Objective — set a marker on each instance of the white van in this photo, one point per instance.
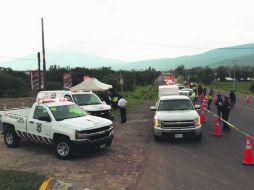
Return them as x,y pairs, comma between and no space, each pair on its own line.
165,90
89,101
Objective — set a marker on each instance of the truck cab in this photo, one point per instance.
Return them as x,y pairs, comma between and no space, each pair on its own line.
89,101
63,124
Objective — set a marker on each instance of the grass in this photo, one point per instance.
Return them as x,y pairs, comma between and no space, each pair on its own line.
137,96
140,94
241,87
10,180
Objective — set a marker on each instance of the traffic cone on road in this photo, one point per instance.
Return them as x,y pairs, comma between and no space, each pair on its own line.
203,115
248,160
217,128
247,100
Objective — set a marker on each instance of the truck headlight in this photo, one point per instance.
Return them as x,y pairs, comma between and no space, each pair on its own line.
157,123
79,135
197,122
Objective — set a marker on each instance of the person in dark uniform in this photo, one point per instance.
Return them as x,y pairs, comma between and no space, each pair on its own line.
200,91
232,98
122,106
225,113
218,103
210,99
204,91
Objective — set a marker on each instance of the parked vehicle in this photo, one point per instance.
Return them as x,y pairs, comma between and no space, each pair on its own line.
89,101
63,124
186,91
175,116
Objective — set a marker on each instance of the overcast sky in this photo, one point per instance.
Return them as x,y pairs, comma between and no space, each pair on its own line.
127,30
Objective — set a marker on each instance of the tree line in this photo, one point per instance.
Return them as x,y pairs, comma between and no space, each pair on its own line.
206,74
17,83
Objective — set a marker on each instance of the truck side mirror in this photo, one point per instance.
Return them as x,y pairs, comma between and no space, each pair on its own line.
153,108
197,107
45,118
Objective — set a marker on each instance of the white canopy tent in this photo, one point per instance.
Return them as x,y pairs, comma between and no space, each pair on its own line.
91,84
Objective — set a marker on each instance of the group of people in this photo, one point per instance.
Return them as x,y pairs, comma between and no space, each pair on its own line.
223,103
224,106
117,101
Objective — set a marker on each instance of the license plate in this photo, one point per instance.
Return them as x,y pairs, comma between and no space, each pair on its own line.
102,146
178,136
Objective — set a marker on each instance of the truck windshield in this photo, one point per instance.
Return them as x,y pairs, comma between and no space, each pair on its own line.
86,99
169,105
67,112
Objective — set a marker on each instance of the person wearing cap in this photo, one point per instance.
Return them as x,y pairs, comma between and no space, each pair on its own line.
218,103
122,106
232,97
225,113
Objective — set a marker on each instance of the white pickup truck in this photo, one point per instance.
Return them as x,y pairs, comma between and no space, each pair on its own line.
175,116
62,124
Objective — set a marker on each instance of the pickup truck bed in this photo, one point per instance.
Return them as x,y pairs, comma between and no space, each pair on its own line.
19,111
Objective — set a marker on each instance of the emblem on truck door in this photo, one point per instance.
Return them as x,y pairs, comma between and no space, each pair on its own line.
39,127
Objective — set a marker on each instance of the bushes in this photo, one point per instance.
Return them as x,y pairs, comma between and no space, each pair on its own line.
12,86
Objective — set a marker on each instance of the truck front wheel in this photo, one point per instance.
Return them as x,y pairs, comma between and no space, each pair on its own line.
63,148
10,138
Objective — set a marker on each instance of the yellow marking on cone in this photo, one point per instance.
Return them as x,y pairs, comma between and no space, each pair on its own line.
46,184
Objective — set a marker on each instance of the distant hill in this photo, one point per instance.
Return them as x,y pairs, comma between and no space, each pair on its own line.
244,54
63,59
222,56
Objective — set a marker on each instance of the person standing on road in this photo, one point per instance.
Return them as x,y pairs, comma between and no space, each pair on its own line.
232,98
200,91
204,91
211,92
122,106
210,99
225,113
218,103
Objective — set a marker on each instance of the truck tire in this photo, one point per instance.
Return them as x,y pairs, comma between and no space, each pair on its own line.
63,148
198,138
156,138
10,138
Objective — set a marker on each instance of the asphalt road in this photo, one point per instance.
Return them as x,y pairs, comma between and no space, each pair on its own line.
213,163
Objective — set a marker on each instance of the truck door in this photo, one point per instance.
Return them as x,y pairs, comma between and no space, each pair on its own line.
40,124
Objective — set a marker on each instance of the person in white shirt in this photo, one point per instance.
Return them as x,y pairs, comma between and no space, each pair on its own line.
122,106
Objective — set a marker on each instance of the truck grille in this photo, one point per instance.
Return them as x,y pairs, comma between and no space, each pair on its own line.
96,130
104,113
178,124
99,136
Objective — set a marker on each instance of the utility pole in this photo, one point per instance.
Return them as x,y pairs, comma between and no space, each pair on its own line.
39,69
234,62
121,82
43,55
134,79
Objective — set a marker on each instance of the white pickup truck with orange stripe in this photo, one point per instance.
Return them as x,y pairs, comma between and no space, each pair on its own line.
63,124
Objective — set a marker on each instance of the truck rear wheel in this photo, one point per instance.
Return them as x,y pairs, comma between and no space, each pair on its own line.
63,148
10,138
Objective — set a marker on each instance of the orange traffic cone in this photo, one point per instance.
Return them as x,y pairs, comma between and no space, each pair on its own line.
217,128
202,115
247,100
248,160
